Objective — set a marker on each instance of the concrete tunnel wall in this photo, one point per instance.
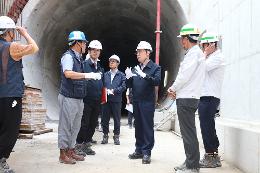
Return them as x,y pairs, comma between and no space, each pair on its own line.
118,24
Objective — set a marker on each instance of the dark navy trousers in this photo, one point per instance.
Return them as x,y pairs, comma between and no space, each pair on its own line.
111,109
207,108
144,124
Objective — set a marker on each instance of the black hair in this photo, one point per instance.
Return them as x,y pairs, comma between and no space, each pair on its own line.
189,37
5,32
74,42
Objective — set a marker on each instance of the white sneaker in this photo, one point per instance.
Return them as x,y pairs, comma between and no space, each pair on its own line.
180,167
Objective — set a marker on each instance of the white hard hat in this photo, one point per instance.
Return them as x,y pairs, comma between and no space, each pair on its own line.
144,45
95,44
115,57
209,38
6,23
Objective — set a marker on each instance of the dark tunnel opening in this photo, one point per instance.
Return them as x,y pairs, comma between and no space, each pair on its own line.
118,25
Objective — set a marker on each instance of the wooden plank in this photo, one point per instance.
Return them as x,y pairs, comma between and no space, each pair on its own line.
35,110
32,126
25,136
39,132
32,88
26,131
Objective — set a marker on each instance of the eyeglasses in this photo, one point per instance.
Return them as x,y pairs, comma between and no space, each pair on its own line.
139,51
113,61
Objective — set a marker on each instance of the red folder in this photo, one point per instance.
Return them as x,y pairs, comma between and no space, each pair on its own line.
104,96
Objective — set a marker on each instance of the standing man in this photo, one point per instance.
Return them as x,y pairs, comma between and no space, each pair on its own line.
187,90
71,94
92,101
11,85
210,99
143,80
114,82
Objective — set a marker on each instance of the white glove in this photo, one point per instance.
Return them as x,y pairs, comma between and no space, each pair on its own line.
129,73
88,75
110,92
139,71
95,76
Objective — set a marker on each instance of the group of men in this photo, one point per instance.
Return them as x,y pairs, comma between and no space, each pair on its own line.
197,85
82,83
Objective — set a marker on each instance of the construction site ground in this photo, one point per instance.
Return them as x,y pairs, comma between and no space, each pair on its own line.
40,155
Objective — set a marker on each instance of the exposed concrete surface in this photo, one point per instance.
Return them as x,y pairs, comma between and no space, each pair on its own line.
41,155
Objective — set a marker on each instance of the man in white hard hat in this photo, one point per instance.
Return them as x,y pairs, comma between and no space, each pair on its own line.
11,85
143,80
186,89
114,82
92,100
210,99
71,94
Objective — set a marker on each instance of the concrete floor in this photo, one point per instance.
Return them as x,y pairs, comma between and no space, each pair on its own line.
41,155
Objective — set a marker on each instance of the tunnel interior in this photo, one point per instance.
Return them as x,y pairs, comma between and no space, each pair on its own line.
118,24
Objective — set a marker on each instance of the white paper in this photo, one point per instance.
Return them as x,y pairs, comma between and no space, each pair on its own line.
129,107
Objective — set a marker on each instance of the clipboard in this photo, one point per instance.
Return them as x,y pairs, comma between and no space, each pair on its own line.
104,95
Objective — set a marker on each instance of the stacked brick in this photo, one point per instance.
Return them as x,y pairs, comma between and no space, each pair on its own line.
33,114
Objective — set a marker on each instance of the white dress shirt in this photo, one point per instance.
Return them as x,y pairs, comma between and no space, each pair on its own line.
113,73
189,80
215,68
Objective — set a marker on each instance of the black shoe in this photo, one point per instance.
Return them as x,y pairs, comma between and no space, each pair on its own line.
78,150
105,139
135,155
93,141
116,140
89,151
146,159
86,149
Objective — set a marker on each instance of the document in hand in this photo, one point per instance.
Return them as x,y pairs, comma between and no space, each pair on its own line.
129,107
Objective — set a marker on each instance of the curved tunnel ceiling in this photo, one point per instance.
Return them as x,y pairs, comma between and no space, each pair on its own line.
118,24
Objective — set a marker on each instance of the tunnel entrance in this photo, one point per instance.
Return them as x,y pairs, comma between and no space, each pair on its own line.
118,24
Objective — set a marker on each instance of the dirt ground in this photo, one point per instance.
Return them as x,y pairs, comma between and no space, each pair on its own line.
40,155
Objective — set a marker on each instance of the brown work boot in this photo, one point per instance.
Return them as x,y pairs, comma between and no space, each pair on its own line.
76,157
65,158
